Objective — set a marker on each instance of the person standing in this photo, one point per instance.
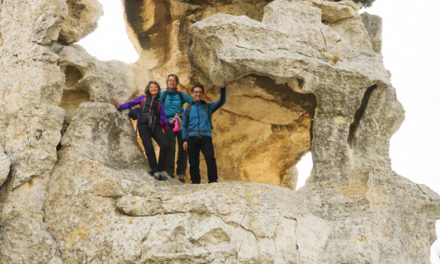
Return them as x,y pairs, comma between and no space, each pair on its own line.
173,101
196,132
149,124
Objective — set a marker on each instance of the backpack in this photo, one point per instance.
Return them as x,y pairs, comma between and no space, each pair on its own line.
209,114
136,113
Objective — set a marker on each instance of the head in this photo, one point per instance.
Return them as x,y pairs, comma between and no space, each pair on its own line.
152,88
197,92
172,81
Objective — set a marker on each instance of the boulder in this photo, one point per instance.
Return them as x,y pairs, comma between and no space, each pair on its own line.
80,193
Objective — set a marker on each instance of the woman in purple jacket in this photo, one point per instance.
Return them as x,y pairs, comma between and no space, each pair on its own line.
149,124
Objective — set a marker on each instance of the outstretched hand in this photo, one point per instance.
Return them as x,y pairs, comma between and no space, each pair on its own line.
115,102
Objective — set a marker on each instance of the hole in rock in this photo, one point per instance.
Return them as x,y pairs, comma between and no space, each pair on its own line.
73,75
111,39
261,135
304,167
70,101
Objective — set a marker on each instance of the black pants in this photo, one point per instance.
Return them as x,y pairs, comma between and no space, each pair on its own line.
146,134
204,144
169,154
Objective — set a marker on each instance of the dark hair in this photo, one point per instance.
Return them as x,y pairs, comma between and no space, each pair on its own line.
147,88
173,75
197,86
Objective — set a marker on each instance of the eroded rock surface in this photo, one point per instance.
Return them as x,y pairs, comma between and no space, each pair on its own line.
5,165
301,75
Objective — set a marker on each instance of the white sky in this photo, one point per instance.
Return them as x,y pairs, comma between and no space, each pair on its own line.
411,39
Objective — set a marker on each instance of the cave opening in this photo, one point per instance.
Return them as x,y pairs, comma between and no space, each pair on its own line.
73,94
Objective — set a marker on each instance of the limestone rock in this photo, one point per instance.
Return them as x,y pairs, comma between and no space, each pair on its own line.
302,83
333,11
160,33
374,26
88,79
81,19
5,165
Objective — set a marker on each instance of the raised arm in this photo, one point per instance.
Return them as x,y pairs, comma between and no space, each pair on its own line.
216,105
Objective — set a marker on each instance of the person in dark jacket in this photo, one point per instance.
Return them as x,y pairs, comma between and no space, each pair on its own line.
173,101
149,124
197,134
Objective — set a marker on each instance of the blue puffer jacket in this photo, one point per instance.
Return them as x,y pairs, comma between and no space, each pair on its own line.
197,123
173,104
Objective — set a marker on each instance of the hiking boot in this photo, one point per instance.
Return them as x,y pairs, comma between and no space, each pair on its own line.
181,178
163,176
156,175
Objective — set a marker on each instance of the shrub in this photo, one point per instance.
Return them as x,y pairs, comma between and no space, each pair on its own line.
366,3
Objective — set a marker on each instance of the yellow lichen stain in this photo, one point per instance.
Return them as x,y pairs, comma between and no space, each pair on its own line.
74,237
334,59
132,202
411,251
353,189
362,239
388,232
375,198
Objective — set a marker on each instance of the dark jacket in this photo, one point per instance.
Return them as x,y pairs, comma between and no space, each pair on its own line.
140,101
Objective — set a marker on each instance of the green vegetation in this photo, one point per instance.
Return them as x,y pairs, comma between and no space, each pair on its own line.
366,3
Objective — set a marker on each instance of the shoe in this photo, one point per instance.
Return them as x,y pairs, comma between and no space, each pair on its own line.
181,178
162,176
156,175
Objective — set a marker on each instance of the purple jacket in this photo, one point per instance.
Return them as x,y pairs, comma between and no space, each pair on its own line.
138,101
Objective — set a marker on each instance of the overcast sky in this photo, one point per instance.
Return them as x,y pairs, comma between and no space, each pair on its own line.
411,39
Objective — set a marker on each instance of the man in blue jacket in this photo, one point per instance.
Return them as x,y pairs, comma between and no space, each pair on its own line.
197,134
173,101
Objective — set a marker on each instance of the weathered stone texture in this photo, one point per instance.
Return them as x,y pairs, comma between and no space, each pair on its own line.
31,122
301,75
374,26
5,165
81,19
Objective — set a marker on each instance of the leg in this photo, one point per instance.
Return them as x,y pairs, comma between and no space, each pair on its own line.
194,159
161,140
181,155
144,133
208,152
166,156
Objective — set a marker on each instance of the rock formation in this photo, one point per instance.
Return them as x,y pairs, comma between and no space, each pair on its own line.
301,75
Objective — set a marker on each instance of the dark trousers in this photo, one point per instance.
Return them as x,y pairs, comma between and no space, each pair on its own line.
170,153
204,144
146,134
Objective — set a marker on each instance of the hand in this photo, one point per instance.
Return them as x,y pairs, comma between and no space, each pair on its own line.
185,145
115,102
172,122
